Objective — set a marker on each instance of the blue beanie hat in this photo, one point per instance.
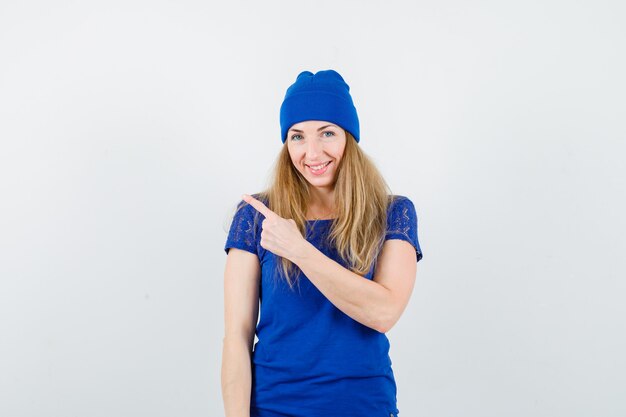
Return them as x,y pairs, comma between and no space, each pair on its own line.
321,96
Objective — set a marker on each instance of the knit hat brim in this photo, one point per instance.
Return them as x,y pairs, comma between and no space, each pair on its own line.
318,105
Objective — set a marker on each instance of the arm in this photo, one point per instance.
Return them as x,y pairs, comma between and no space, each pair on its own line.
241,307
378,303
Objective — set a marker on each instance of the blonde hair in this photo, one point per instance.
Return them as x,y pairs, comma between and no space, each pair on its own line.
361,200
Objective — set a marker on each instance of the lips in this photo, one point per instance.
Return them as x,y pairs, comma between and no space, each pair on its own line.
320,171
318,166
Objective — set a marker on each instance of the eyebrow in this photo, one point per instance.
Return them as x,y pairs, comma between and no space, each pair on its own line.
323,127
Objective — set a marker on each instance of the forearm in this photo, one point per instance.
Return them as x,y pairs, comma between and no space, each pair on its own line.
236,377
362,299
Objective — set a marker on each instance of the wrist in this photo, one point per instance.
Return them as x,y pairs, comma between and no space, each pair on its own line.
302,252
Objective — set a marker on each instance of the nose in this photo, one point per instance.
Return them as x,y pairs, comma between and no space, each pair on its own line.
314,149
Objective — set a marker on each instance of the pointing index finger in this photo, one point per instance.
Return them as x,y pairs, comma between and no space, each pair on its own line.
259,206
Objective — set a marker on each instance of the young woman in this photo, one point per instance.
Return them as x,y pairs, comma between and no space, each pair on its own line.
331,255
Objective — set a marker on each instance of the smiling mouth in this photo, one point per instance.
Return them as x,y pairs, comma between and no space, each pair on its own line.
318,167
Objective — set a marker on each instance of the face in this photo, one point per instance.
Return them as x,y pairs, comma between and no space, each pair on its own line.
316,148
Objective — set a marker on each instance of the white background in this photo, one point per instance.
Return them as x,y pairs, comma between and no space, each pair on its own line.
130,129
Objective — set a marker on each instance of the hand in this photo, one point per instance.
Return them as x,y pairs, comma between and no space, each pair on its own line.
279,236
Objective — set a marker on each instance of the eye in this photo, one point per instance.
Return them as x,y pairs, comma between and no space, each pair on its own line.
331,133
293,137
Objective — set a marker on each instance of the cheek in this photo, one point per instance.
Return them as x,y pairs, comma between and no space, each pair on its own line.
339,153
295,154
341,148
292,156
295,161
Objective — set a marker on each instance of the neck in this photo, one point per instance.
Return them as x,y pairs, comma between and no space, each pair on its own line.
321,203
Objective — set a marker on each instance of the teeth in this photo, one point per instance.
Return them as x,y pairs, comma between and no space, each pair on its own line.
318,167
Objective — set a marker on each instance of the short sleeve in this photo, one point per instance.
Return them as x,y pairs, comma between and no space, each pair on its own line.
402,223
242,233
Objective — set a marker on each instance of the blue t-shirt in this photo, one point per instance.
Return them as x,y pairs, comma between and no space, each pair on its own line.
311,358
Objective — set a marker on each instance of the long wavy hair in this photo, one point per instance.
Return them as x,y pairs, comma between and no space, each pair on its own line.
361,200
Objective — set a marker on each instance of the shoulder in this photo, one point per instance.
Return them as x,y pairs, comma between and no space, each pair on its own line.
243,205
402,222
245,211
400,205
401,216
245,227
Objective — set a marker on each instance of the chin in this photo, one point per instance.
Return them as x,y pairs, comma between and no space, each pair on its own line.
317,183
